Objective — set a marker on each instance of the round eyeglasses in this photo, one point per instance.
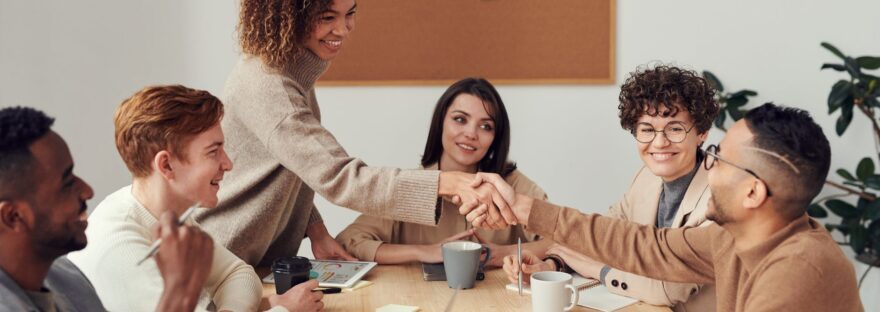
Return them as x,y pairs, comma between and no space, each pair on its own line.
674,131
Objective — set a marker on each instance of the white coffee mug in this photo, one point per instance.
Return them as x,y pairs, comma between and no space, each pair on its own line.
552,291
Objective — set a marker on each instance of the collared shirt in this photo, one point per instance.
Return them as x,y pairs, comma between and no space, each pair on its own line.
70,289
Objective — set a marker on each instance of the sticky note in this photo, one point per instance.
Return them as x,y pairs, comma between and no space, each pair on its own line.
360,284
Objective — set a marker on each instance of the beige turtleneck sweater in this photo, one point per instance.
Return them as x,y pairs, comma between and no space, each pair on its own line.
799,268
282,155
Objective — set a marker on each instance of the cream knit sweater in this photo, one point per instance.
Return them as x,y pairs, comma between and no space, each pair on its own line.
120,234
282,155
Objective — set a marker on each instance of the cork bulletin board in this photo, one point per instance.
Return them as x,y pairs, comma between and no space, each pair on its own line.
436,42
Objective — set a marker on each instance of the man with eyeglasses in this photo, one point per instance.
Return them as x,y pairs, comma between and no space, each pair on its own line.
669,112
764,254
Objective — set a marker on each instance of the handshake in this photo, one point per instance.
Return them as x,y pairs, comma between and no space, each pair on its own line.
485,199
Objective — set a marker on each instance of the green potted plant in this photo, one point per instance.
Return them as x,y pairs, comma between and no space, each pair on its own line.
732,103
860,222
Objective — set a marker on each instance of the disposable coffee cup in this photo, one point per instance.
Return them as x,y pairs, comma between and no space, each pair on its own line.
289,272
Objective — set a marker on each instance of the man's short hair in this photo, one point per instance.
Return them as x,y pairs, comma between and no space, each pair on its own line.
159,118
19,128
649,88
792,134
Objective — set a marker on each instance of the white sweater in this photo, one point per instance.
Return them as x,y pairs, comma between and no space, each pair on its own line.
120,234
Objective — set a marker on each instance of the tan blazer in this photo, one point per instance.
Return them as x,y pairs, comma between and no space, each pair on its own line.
640,204
363,237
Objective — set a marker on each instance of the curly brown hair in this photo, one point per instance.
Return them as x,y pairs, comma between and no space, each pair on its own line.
647,89
275,30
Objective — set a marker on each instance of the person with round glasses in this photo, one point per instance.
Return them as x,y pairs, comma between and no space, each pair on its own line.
669,112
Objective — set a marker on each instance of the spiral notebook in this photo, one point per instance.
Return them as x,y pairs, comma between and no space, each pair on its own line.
591,294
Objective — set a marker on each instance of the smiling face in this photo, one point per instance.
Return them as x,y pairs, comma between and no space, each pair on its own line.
468,132
663,157
331,29
197,178
59,200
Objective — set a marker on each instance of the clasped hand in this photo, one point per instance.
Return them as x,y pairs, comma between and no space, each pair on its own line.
487,202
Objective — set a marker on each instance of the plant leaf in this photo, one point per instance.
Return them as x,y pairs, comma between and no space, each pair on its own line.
837,67
736,101
843,228
842,208
845,174
865,168
857,239
713,81
872,210
736,114
873,181
744,93
868,62
844,119
833,49
839,92
852,67
830,227
874,234
872,101
719,121
816,211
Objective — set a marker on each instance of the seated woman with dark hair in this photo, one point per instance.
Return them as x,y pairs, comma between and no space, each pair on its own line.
469,132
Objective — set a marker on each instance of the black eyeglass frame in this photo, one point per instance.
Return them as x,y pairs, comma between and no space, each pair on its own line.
712,152
686,132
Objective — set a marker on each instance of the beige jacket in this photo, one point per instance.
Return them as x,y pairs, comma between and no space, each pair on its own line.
282,156
798,268
363,237
640,204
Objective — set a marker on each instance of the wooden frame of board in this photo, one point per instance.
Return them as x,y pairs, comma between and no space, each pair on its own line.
437,42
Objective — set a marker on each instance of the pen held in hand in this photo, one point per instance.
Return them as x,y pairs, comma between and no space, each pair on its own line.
519,263
155,247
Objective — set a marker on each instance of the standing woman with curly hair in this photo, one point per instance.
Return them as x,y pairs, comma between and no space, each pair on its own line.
283,155
669,112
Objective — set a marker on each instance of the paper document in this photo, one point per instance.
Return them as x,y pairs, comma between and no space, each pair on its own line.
599,298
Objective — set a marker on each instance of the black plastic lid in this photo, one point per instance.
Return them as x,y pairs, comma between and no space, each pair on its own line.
291,264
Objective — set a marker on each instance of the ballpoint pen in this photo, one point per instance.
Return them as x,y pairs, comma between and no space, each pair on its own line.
519,263
155,247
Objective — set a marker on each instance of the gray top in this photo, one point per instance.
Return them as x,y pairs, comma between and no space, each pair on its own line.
70,289
43,299
671,196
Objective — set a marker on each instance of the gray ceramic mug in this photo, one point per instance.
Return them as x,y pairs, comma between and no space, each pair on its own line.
461,260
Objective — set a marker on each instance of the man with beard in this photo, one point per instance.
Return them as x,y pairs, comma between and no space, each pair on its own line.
764,254
42,218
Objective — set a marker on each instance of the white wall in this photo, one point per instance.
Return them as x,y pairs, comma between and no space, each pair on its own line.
78,59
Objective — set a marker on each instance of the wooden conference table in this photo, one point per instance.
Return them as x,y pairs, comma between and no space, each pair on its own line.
403,284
